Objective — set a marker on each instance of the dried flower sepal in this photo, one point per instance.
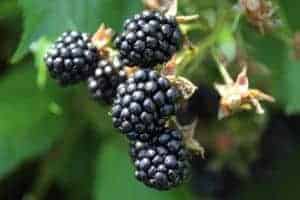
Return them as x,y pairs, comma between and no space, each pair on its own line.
168,7
260,13
185,86
102,38
237,96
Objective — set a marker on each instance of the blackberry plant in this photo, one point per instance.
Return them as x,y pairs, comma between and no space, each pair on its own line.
148,39
144,100
72,58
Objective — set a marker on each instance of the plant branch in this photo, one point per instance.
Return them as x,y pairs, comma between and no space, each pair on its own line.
201,47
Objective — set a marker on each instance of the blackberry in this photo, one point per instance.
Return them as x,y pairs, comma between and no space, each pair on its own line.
105,80
148,39
72,58
163,163
143,104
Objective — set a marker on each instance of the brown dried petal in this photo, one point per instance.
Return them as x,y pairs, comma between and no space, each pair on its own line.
260,13
102,37
169,7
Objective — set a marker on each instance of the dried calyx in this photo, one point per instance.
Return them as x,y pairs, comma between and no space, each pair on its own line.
236,95
260,13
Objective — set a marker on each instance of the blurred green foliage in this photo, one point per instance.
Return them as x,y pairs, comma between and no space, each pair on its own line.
27,125
51,18
72,137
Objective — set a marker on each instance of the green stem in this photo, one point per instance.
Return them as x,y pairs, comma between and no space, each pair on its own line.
236,22
201,47
222,69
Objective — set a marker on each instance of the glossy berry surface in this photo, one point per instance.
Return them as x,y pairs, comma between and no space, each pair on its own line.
148,39
162,163
103,83
72,58
143,104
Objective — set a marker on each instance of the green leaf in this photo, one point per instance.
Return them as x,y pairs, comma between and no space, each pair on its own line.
272,52
51,18
267,49
39,49
226,43
75,169
8,8
291,10
27,127
115,178
291,86
114,13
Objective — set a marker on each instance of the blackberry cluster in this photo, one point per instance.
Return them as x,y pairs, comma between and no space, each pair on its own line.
72,58
149,38
104,82
143,104
161,164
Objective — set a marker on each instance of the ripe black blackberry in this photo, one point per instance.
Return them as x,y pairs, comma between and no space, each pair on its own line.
143,104
162,163
72,58
105,80
148,39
